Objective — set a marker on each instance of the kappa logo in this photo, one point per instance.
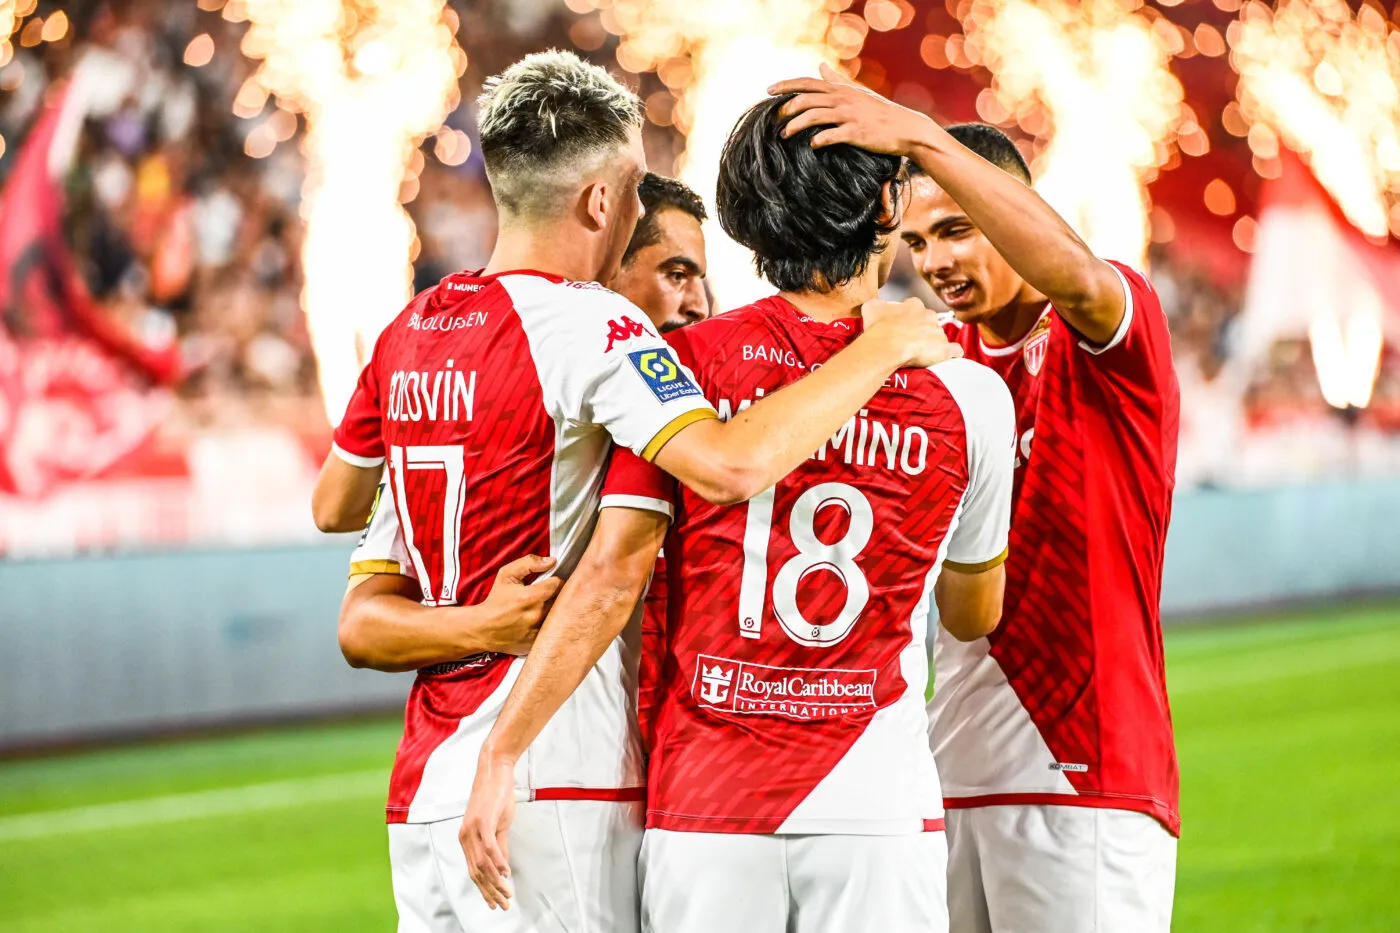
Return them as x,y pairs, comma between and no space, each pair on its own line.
662,374
1036,344
715,682
623,330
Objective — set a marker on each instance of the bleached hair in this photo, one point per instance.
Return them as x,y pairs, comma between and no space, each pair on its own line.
547,123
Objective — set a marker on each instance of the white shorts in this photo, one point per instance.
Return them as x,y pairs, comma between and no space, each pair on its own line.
720,882
573,865
1054,869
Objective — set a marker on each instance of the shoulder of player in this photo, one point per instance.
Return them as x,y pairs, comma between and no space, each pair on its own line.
401,323
568,322
1142,309
1134,276
977,390
569,305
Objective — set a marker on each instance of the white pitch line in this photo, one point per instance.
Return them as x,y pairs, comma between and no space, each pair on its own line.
176,808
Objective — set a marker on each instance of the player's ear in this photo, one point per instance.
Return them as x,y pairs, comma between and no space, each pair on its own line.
593,204
891,204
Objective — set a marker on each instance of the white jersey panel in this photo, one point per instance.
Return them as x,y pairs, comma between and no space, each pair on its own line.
448,775
978,726
989,417
597,374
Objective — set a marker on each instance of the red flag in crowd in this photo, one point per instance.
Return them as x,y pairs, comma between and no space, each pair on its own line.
77,393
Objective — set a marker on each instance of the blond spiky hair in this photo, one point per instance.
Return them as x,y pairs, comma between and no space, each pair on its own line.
546,123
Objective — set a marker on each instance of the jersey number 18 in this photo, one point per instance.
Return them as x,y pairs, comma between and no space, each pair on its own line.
812,555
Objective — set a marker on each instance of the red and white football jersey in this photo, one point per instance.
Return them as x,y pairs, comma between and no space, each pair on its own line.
794,660
1066,702
493,398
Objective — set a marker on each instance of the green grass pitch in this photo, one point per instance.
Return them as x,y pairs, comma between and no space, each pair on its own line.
1289,732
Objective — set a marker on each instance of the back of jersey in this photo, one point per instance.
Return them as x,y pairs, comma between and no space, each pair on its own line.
795,659
493,399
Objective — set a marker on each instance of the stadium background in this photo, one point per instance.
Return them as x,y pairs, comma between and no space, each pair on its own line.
208,208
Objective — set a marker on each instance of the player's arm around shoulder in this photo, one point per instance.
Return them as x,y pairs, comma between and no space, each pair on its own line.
731,462
970,589
383,624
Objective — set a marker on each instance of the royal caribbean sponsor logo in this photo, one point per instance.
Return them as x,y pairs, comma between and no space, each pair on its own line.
800,693
662,374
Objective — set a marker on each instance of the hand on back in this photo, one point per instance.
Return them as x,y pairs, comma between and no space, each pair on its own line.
914,330
515,609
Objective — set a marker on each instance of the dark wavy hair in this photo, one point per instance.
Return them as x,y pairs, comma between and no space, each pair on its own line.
813,217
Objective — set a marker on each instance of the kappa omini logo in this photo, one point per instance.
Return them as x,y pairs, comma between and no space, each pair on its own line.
623,330
662,374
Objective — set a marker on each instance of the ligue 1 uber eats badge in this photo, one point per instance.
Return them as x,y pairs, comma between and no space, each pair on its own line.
1036,344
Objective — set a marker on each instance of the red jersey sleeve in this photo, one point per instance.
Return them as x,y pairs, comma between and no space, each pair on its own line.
633,483
1139,353
359,438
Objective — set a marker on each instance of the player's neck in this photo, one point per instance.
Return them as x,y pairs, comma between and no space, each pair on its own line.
1015,320
842,301
544,249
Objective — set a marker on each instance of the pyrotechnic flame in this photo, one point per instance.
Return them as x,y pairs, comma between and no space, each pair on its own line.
372,78
718,58
1093,77
1347,355
1327,84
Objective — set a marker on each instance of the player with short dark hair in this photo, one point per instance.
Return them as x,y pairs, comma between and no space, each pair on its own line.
1053,735
495,398
791,787
991,144
663,269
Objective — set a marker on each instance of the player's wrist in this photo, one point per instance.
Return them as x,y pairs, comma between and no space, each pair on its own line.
470,630
926,142
886,345
495,754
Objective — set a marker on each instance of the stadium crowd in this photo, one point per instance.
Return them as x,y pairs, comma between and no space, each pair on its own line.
181,235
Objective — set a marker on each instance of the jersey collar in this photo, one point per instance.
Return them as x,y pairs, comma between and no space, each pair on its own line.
1010,348
843,328
469,281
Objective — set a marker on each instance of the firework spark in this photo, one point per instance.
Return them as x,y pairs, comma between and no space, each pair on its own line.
1326,83
718,58
1092,79
372,79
